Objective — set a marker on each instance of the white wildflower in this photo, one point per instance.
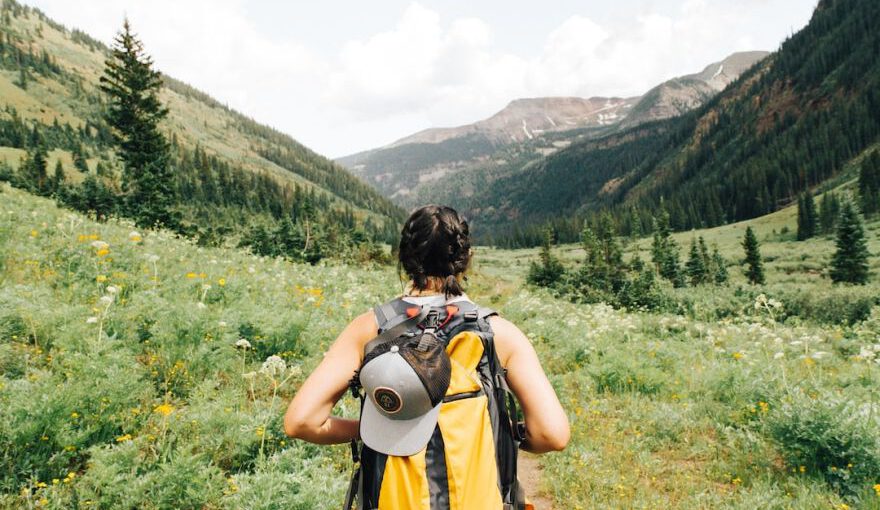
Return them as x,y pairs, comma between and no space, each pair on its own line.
201,306
779,355
100,245
222,324
242,343
273,366
92,320
819,355
106,300
112,289
153,258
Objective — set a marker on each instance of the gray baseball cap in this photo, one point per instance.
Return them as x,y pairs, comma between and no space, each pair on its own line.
404,385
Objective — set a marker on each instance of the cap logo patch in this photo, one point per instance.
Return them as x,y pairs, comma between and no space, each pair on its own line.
388,399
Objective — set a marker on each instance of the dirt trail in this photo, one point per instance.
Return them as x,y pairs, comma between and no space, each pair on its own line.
530,477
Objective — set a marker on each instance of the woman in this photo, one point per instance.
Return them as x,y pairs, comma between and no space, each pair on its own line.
435,253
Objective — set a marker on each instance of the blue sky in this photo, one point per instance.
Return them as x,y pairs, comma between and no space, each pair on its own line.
348,76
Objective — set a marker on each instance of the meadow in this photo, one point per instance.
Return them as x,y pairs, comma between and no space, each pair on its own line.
138,370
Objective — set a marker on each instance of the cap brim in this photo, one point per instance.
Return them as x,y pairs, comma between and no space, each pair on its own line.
400,438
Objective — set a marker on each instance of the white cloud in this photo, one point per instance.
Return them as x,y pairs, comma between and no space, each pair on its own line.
421,70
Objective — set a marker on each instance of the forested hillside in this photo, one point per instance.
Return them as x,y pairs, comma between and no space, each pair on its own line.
234,178
782,128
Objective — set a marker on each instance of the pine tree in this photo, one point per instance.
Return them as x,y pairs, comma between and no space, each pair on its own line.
134,113
850,261
550,269
869,183
719,267
58,177
696,266
79,159
807,221
34,170
665,252
755,270
829,212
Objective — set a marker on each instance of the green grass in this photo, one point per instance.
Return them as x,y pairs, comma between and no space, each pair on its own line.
135,397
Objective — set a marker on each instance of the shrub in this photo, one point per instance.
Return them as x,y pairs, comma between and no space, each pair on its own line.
830,437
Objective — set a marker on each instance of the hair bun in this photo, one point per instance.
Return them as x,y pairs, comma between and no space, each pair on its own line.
435,241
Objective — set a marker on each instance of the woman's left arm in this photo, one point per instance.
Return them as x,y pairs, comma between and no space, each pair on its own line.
308,415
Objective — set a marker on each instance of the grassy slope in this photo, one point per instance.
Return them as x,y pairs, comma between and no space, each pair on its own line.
665,411
195,122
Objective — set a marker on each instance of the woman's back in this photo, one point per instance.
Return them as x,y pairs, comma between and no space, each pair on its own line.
469,460
465,457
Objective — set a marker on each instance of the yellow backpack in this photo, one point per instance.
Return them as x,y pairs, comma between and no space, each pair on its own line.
470,461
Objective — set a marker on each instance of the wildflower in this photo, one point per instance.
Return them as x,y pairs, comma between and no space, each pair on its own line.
221,282
100,278
206,287
242,343
125,437
106,300
737,355
760,301
877,489
249,375
153,258
74,415
779,355
112,289
92,320
201,306
164,409
819,354
134,237
273,366
191,275
34,233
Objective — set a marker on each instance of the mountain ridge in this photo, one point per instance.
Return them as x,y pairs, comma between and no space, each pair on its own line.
530,128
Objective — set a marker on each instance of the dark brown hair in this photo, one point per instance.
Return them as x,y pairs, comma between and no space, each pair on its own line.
435,241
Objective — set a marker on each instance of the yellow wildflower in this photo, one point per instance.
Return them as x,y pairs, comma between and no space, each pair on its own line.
34,233
125,437
103,252
877,489
101,278
737,355
191,275
221,282
74,415
164,409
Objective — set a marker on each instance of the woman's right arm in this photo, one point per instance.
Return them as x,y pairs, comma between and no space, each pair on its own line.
547,427
308,414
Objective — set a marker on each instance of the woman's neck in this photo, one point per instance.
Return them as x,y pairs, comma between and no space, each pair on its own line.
433,288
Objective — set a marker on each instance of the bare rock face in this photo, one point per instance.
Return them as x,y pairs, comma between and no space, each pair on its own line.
524,119
684,93
531,128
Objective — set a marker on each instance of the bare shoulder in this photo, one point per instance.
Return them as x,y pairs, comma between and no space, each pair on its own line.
509,339
356,334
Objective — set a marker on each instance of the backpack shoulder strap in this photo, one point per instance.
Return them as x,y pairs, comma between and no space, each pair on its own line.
397,325
391,312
